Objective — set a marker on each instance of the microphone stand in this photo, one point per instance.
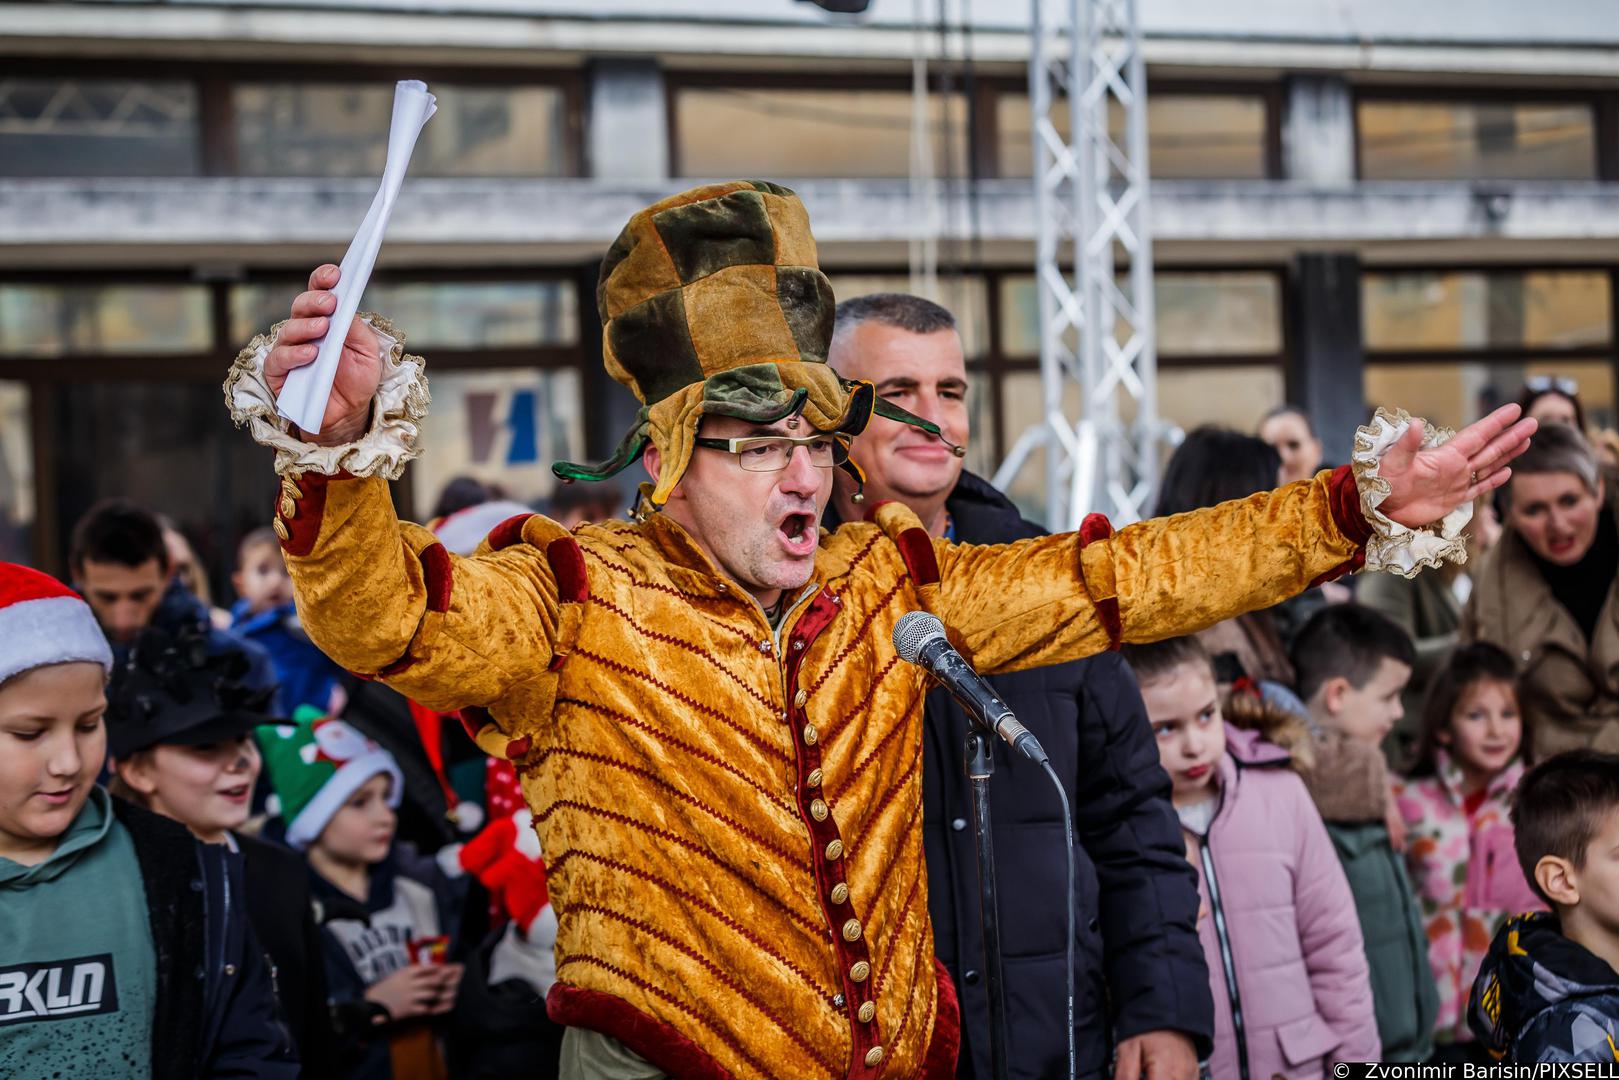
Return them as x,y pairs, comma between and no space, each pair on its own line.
980,766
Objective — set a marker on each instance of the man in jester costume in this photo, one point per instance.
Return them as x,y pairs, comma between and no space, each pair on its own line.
706,712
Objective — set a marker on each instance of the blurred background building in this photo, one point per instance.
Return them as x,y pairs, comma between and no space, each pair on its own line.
1353,204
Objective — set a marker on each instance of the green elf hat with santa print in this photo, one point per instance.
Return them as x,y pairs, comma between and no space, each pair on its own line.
315,763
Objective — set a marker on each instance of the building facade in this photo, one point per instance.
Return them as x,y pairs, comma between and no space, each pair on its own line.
1353,204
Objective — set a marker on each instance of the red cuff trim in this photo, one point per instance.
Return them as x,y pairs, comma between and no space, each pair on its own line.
1343,495
303,528
508,532
568,567
616,1018
943,1048
916,548
516,748
437,571
871,511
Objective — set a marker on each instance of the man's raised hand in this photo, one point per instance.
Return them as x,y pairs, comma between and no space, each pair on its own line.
359,369
1425,485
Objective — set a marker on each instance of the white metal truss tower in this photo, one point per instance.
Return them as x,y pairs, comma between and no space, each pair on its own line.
1090,197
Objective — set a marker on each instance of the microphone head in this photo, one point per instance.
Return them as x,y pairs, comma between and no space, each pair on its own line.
914,630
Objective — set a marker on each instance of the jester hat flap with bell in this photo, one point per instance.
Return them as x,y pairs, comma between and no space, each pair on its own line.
711,301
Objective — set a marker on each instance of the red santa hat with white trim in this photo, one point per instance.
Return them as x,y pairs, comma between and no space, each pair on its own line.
44,622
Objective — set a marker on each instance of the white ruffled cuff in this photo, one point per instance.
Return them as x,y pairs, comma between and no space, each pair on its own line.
1394,547
396,411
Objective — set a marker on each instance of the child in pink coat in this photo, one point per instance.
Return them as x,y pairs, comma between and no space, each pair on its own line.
1292,995
1459,841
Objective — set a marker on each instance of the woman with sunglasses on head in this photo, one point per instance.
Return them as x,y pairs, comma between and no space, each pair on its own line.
1545,593
1553,399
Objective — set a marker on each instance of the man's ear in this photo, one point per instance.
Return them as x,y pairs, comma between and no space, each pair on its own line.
652,461
1558,879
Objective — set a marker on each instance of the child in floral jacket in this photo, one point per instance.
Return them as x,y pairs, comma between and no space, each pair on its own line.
1459,846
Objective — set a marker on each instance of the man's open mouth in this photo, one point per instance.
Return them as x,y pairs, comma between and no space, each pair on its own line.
798,532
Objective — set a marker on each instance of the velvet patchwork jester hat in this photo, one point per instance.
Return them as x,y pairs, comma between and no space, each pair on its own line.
712,301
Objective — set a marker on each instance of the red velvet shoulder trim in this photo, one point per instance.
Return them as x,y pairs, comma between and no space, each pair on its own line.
568,567
945,1046
916,548
1097,527
654,1040
508,532
438,573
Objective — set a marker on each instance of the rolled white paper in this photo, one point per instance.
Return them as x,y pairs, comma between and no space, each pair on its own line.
303,398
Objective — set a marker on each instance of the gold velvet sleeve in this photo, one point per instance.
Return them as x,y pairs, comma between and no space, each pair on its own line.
384,598
1056,598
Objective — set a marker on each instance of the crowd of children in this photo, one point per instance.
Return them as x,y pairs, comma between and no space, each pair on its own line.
1466,911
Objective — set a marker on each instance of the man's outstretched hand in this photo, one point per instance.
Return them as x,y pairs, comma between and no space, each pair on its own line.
1425,485
359,369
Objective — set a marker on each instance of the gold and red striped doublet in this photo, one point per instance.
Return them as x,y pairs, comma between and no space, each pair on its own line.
731,815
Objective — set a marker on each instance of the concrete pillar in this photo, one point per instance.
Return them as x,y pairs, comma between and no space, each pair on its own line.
626,138
1326,362
627,120
1318,131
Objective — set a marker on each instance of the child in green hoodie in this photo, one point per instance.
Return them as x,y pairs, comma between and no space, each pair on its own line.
108,909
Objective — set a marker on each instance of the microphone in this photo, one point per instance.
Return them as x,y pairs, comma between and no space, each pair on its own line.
919,639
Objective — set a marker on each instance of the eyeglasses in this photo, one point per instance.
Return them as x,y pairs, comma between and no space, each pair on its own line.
773,453
1540,384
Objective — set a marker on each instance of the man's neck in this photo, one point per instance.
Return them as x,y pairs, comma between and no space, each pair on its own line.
1582,928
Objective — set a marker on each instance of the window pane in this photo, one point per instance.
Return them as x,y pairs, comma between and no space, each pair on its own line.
58,320
1454,394
1199,314
1193,136
1236,396
286,129
1451,140
1023,407
501,427
1470,310
453,315
966,297
97,127
794,133
16,475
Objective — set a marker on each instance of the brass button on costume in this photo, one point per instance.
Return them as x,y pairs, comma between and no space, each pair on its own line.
818,810
289,509
811,736
280,528
851,930
860,972
800,698
813,779
874,1056
840,893
868,1012
834,850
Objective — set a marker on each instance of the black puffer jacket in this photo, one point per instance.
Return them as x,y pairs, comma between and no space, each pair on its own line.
215,1010
1139,964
